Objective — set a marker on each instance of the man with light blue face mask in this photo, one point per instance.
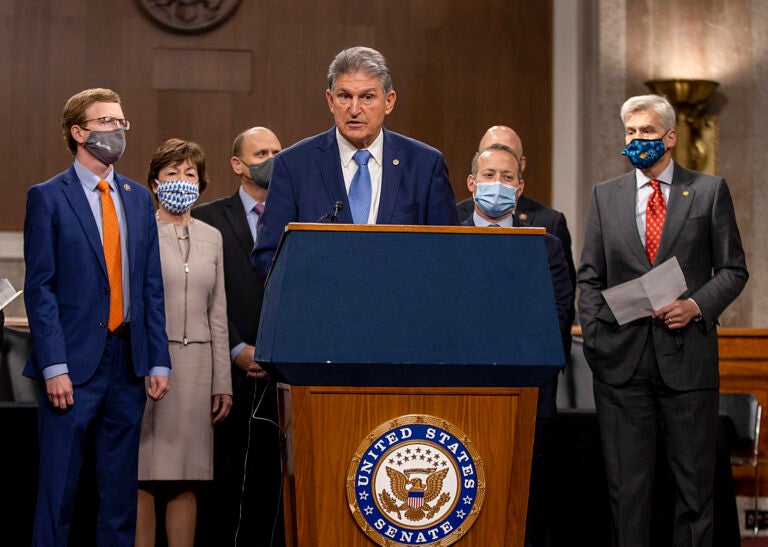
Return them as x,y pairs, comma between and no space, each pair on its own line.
496,184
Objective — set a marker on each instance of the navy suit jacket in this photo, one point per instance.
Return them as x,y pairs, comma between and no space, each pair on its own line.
307,181
533,213
66,289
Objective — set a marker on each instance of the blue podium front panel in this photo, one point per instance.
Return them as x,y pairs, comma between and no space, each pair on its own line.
365,306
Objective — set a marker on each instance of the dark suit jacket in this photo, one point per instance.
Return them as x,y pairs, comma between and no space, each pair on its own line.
66,289
700,230
534,213
244,287
307,181
561,284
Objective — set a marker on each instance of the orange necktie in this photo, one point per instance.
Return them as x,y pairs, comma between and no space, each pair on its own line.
112,255
655,211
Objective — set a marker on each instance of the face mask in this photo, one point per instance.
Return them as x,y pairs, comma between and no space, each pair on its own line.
177,196
495,199
643,153
261,172
106,146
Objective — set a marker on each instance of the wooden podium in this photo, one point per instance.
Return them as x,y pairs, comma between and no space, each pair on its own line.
408,394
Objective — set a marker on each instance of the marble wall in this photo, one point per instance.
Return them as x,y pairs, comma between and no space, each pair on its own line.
626,43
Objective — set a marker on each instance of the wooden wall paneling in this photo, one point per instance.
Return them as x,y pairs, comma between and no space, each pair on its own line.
177,69
744,368
456,66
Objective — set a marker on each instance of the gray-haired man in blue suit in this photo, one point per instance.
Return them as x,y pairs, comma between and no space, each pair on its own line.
406,180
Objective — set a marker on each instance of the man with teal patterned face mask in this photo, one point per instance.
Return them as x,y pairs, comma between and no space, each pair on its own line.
656,379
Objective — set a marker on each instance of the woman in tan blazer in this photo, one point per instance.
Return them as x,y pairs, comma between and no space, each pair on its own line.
176,446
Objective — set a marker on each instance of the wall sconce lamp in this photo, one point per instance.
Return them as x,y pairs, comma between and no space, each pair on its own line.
697,133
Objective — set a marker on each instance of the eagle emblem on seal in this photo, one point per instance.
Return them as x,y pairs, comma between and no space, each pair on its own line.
414,494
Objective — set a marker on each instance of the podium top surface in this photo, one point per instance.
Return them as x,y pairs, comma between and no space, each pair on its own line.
410,305
409,228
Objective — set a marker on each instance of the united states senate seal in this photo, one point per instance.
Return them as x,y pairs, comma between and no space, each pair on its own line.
416,480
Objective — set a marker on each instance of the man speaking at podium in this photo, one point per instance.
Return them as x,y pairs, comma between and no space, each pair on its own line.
357,172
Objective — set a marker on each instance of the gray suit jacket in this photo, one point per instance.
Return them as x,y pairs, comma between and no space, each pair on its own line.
700,230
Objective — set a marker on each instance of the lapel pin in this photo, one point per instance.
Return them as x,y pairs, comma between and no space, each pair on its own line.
395,161
686,192
127,187
522,216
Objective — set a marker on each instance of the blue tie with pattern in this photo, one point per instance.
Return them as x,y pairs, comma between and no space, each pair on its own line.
360,189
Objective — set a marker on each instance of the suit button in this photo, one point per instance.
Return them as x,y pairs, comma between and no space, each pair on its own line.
102,324
106,290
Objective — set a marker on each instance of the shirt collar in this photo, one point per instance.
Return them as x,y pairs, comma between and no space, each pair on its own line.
347,150
90,179
665,177
248,201
506,222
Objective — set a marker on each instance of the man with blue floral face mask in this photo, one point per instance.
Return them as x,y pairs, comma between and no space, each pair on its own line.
496,185
656,378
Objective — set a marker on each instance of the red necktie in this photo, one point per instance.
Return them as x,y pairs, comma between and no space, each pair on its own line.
655,211
112,255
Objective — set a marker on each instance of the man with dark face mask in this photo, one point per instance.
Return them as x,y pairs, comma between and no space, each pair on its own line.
656,378
94,299
255,492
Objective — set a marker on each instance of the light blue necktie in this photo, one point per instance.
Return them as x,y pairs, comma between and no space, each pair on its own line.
360,189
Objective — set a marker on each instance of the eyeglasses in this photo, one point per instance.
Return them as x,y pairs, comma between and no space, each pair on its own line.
109,121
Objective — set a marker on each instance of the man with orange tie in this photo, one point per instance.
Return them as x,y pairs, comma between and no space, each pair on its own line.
94,299
656,378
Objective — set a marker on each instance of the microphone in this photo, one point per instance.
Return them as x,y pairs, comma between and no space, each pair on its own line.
336,208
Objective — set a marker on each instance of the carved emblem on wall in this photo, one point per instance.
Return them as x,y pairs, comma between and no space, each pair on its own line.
189,15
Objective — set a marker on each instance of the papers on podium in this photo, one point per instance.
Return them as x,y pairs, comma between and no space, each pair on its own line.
7,293
640,297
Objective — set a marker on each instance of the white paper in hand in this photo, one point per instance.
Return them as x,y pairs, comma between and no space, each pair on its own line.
7,292
640,297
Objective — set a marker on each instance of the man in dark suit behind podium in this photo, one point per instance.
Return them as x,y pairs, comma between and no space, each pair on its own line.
259,521
657,376
393,179
496,185
527,210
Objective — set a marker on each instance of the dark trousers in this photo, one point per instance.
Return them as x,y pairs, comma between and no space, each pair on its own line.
107,412
244,505
540,502
632,417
